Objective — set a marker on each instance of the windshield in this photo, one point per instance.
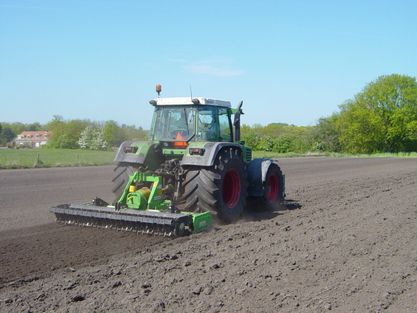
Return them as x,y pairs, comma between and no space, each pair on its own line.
174,123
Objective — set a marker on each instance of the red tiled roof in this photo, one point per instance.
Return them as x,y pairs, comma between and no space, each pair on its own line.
34,133
32,136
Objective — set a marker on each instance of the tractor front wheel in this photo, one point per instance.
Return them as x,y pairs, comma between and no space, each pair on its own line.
121,175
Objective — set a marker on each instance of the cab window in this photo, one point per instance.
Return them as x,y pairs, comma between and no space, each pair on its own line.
224,124
207,123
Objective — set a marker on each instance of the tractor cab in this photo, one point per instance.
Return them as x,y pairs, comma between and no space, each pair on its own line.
187,120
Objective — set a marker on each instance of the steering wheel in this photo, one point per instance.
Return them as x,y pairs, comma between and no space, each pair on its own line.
206,125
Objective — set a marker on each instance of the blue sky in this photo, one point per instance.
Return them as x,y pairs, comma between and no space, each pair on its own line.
290,61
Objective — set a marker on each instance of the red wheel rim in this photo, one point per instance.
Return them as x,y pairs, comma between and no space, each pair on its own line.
231,188
272,188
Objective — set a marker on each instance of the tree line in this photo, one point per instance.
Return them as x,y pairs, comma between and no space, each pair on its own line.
76,133
380,118
278,137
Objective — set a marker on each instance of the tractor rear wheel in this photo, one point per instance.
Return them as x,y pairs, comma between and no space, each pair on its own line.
121,175
220,189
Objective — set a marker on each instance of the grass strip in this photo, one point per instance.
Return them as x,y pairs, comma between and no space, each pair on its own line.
31,158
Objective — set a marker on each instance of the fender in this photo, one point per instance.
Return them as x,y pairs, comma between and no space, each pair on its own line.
210,154
138,157
257,171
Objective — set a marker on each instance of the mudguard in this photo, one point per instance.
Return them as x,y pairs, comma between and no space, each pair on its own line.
257,171
210,153
137,157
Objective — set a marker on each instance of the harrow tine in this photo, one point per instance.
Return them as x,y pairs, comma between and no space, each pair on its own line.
150,223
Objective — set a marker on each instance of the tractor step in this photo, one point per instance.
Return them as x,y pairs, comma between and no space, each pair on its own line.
148,222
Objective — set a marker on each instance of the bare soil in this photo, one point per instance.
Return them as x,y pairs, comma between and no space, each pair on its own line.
32,244
345,241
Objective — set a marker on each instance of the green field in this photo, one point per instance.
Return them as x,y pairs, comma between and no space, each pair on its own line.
29,158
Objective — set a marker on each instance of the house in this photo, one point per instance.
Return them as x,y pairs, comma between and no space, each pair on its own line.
32,139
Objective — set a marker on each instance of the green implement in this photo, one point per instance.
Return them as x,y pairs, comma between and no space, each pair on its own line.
146,222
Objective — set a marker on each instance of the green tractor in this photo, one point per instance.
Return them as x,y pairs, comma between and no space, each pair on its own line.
194,168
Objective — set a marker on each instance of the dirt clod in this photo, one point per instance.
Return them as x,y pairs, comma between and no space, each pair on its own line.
146,285
208,290
70,286
197,290
116,284
78,298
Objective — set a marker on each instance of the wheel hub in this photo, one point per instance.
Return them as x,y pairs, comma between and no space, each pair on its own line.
231,188
272,188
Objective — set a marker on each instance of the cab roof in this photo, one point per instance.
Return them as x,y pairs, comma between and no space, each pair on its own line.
192,101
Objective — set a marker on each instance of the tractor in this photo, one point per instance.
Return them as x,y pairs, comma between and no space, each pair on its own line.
193,169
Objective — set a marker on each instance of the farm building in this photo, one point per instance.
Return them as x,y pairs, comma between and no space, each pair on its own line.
32,139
